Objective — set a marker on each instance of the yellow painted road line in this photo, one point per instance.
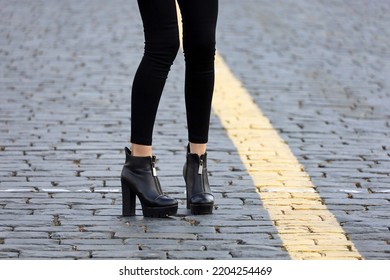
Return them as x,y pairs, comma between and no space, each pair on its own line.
305,225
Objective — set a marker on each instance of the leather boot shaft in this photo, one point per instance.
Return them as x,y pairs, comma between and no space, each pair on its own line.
199,196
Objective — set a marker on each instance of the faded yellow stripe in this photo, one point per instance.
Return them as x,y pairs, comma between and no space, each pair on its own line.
305,225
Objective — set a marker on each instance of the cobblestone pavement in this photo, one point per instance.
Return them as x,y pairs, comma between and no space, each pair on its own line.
316,69
319,71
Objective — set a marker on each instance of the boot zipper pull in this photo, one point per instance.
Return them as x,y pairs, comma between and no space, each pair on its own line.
154,171
200,170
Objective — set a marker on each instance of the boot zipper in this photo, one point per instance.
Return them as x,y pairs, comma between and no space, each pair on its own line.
154,171
200,170
154,174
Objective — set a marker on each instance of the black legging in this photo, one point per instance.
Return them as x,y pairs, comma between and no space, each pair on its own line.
161,46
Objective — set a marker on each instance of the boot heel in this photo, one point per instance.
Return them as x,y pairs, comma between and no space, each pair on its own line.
128,201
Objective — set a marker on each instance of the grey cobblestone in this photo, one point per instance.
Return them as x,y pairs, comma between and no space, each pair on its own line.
321,79
206,255
65,81
55,254
137,255
258,253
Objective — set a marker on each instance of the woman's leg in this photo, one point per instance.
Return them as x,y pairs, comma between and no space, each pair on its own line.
161,46
199,31
199,25
138,177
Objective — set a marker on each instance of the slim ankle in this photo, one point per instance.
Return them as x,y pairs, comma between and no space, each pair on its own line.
199,149
138,150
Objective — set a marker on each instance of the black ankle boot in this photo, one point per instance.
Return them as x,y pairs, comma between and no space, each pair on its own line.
139,179
199,197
